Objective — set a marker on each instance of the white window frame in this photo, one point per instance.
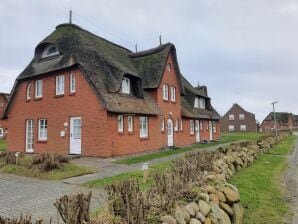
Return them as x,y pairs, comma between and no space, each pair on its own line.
176,128
169,66
143,127
28,92
125,86
1,132
231,117
173,94
192,127
120,123
72,83
60,85
201,125
231,128
181,124
165,92
243,127
196,103
38,88
214,126
162,124
202,103
241,116
42,130
130,123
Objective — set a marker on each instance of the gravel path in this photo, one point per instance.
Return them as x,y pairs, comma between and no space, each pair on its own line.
291,182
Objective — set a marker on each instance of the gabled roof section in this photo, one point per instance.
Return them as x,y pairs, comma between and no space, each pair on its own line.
280,116
241,108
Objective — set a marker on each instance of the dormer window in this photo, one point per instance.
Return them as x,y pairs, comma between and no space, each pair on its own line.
196,105
125,87
200,103
50,50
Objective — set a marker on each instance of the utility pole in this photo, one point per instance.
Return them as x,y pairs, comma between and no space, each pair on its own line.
275,124
70,16
136,48
160,43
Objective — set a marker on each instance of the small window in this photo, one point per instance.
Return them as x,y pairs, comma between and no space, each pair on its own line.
173,94
28,92
231,128
242,127
196,104
42,130
192,127
201,125
169,66
60,85
162,124
202,103
120,123
231,117
165,92
241,117
50,50
214,127
125,87
38,89
130,123
176,128
72,83
143,127
1,133
181,124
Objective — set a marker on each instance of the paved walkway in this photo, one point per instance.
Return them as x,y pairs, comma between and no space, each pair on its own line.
22,195
106,168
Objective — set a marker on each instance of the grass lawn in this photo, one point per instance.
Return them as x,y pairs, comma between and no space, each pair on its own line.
225,138
67,170
2,145
259,186
162,167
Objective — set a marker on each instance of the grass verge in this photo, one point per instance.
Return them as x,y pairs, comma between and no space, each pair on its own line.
2,145
65,171
225,138
259,185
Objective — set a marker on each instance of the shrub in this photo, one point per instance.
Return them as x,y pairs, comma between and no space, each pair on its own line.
48,162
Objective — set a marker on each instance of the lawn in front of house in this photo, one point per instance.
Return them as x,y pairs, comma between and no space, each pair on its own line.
2,145
25,168
259,186
225,138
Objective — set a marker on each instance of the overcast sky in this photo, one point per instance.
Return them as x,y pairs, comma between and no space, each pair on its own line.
243,51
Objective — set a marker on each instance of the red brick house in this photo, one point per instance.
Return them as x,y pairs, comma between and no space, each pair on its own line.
284,122
3,122
237,119
82,94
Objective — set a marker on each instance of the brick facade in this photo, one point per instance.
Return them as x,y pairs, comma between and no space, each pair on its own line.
284,122
248,121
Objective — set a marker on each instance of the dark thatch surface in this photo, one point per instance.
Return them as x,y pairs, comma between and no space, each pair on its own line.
280,117
104,64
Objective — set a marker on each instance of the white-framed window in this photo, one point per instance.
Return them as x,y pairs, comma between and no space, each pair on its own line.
196,104
120,123
192,127
241,116
42,129
176,128
169,67
143,127
231,117
242,127
202,103
38,88
130,123
28,92
173,94
1,133
72,83
162,124
201,125
231,127
165,92
181,124
60,85
50,50
214,126
125,87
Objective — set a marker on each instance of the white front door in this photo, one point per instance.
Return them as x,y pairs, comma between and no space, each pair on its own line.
170,133
210,130
197,129
29,136
75,143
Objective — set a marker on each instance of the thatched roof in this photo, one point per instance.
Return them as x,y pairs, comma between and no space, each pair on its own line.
282,117
104,64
